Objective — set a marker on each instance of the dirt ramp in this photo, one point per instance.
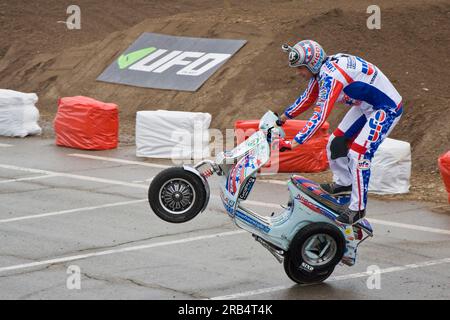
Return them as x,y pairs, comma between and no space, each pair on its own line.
74,71
411,48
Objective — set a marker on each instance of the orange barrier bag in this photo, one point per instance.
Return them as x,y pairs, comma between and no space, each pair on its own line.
85,123
309,157
444,168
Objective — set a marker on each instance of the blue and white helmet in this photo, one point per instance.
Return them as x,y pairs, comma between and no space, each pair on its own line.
306,53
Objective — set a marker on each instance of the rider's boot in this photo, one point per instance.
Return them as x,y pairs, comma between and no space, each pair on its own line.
335,189
349,216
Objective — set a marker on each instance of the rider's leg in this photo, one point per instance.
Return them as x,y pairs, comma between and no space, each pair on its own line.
338,146
380,123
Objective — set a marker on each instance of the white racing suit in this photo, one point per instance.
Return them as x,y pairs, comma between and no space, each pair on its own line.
376,107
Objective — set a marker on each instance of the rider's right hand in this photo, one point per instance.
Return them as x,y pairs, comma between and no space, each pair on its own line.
284,145
281,120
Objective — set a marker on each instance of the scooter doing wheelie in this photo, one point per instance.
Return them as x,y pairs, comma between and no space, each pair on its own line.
304,235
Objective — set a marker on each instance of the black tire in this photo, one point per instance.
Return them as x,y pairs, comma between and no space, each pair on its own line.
302,271
157,195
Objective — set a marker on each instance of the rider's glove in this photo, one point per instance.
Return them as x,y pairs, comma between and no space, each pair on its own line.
280,122
284,145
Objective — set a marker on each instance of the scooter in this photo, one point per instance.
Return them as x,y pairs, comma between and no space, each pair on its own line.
304,235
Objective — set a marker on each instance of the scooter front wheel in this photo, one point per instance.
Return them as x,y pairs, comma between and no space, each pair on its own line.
313,253
176,195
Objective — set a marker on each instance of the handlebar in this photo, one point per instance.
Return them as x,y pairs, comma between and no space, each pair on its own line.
279,122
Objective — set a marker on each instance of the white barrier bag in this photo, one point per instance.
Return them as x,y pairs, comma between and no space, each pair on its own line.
391,168
18,114
172,134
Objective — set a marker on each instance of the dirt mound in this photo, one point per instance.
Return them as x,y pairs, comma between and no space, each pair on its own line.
411,48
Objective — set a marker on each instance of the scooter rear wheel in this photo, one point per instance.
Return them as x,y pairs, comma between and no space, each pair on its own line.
176,195
313,253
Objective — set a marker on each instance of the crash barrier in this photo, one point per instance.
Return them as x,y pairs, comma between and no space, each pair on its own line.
172,134
310,157
391,168
85,123
444,168
18,114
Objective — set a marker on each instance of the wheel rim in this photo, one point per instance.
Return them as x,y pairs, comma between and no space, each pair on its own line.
319,249
177,196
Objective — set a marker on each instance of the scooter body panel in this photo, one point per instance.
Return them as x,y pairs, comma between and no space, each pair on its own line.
249,156
308,204
279,229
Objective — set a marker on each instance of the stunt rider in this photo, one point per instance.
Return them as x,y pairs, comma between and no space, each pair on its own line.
375,108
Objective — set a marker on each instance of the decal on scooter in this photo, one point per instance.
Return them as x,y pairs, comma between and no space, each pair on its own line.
252,221
247,188
237,174
233,178
227,203
314,207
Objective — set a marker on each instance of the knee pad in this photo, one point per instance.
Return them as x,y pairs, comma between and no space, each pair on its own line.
339,147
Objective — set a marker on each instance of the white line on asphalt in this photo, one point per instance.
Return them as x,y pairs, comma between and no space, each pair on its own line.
28,178
74,176
154,165
56,213
4,145
121,250
409,226
143,181
251,202
86,156
336,278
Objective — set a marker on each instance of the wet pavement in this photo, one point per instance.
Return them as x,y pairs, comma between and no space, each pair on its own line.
60,211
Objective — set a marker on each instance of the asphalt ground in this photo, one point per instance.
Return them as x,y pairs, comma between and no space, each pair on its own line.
63,209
